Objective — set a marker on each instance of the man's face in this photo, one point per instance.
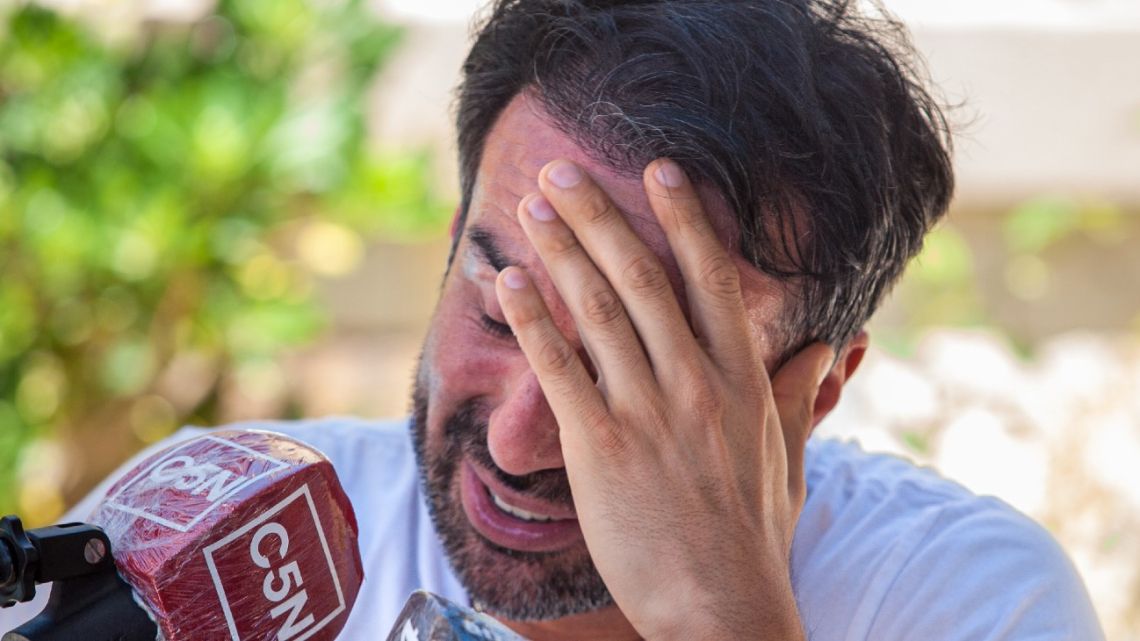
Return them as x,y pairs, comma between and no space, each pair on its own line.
486,439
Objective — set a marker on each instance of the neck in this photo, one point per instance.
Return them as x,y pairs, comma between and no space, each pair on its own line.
607,624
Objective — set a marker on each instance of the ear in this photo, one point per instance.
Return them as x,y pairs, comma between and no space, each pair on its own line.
832,386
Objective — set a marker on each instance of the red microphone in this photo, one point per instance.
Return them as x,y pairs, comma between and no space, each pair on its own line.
236,535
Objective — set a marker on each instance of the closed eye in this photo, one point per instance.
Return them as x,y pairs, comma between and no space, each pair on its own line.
495,328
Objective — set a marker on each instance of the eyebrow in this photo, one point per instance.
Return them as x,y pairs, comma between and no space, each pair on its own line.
485,241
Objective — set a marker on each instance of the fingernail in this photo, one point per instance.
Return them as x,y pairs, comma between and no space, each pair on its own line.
514,278
540,209
669,175
565,175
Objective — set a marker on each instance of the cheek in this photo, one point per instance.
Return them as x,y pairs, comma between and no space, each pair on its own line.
462,361
467,367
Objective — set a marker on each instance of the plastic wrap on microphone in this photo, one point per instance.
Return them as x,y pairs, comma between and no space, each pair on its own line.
430,617
237,535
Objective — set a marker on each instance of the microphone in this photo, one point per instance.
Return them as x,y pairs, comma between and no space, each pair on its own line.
237,534
430,617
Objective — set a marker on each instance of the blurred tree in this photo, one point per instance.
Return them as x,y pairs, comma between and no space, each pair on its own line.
163,206
950,284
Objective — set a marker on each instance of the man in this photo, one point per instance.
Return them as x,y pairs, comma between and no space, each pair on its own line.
676,218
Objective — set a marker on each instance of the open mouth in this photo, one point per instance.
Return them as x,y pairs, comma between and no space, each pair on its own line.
517,512
512,521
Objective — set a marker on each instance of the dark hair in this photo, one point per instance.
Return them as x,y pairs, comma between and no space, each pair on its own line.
809,117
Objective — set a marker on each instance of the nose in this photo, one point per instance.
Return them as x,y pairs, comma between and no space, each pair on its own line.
522,434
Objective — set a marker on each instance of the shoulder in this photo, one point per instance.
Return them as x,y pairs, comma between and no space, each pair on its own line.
357,447
373,459
908,554
334,433
364,453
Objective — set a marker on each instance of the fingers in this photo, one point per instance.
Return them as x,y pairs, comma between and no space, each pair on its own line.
601,319
794,390
712,280
567,385
619,293
627,264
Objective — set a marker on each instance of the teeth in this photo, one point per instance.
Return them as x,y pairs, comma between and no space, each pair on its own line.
518,511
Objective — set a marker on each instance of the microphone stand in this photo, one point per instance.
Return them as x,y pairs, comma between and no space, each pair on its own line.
89,600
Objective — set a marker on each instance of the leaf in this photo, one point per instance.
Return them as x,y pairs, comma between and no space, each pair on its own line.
1038,224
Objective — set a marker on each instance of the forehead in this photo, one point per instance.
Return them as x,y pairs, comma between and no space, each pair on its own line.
522,142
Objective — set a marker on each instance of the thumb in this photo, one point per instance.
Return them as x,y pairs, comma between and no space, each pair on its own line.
795,387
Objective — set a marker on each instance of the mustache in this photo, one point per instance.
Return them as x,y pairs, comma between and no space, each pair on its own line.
466,432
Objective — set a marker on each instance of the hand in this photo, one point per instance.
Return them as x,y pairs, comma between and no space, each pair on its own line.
685,460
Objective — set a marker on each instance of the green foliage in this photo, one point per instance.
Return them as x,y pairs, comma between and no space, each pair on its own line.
939,289
960,278
153,196
1039,224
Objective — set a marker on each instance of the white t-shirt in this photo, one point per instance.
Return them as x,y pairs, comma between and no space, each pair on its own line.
884,551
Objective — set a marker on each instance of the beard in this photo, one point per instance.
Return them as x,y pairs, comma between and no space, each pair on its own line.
512,584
